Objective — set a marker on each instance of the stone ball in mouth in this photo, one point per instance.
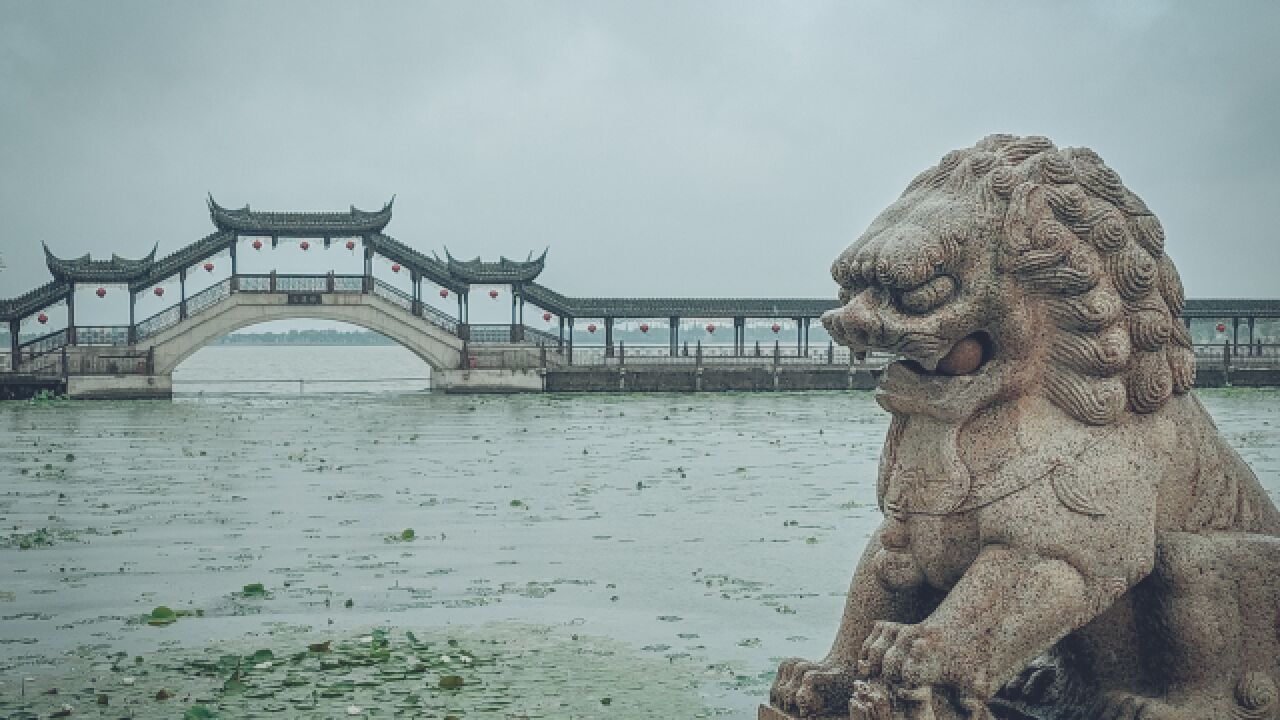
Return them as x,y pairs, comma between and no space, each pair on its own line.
965,357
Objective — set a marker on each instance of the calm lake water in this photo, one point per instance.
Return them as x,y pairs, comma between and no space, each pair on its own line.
580,556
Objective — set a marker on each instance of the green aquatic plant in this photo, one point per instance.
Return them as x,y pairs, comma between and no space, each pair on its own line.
162,615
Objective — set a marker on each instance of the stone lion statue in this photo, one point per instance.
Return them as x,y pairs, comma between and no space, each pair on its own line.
1066,534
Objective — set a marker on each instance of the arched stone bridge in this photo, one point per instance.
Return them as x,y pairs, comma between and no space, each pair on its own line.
137,359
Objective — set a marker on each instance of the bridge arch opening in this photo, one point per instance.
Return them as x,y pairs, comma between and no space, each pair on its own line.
291,357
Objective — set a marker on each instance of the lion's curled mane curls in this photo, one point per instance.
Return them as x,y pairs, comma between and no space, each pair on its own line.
1074,234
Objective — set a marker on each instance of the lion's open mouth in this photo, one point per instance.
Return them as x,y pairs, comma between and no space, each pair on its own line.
967,356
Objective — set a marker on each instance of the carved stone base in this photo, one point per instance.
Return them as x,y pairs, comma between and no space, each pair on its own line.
769,712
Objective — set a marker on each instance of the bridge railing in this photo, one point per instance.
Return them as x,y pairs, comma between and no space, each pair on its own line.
159,322
488,333
208,297
119,363
35,352
396,296
1256,355
541,337
102,335
692,353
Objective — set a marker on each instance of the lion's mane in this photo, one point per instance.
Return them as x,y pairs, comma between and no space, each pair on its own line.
1069,231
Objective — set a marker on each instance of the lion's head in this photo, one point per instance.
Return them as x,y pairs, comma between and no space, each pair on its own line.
1014,267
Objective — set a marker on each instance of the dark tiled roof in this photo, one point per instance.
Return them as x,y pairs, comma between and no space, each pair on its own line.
184,257
30,302
1230,307
431,268
682,307
300,224
84,269
504,271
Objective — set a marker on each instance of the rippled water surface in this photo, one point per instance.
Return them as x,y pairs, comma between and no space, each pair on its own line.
644,546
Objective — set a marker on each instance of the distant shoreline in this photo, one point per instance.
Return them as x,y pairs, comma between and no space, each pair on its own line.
306,337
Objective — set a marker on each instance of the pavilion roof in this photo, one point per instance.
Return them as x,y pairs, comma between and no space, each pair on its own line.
478,272
300,224
86,269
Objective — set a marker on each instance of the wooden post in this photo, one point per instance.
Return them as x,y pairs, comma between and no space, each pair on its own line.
234,242
622,352
368,267
608,337
1251,320
698,357
561,344
71,315
777,353
831,352
675,336
182,292
570,341
15,326
133,328
271,286
1235,335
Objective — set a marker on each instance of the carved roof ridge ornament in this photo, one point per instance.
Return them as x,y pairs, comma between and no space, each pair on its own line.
86,269
300,224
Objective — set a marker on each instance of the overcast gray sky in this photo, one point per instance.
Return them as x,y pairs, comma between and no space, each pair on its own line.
673,148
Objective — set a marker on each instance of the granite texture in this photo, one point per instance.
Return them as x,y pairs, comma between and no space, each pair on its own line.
1066,534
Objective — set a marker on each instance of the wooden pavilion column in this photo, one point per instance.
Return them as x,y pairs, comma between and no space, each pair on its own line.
674,324
562,332
570,341
15,326
806,336
799,334
416,279
368,267
1235,337
234,242
461,318
1251,321
182,294
608,337
71,315
133,327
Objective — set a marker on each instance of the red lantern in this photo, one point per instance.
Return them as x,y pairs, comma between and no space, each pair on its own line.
304,245
776,327
644,327
444,293
711,328
1222,328
546,317
42,318
493,294
351,244
395,267
102,292
208,267
158,291
591,328
257,244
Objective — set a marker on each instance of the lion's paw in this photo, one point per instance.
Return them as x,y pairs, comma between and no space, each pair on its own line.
811,689
911,654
